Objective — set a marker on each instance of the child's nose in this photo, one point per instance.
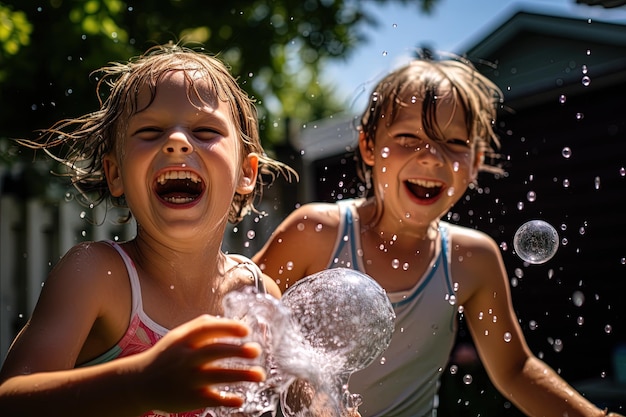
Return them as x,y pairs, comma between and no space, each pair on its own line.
177,142
428,153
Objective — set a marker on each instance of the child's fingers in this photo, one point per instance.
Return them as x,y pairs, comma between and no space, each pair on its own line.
205,328
223,375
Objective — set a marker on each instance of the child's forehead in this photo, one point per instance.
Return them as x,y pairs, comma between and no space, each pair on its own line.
194,83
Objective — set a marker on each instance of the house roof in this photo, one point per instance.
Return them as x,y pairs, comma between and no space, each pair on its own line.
534,54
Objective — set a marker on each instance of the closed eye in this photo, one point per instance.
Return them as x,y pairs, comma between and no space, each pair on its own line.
408,141
206,133
148,133
465,143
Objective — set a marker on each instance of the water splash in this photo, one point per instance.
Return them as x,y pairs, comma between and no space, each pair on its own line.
325,327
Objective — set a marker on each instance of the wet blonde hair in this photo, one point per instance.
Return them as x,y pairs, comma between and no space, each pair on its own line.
424,80
82,142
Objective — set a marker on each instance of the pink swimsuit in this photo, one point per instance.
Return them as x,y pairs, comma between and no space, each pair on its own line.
143,332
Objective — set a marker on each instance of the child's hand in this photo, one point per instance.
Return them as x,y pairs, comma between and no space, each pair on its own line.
183,368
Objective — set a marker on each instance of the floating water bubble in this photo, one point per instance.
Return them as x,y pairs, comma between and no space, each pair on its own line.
536,241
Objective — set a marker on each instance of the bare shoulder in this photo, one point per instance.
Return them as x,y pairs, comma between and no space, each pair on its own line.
87,264
301,245
83,289
467,239
476,262
324,214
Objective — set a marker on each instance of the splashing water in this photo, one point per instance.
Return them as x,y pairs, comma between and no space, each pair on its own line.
326,326
536,241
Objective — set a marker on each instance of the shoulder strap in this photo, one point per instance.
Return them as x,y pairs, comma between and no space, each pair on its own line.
257,275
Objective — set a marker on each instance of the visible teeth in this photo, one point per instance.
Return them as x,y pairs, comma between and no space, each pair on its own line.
178,175
426,183
179,200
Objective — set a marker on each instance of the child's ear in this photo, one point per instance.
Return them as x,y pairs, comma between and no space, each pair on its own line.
366,146
113,175
249,172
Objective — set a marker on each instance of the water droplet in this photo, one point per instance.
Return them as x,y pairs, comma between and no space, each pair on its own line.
507,337
580,320
586,81
578,298
566,152
580,116
384,152
608,329
289,266
395,264
251,234
453,369
622,171
531,196
452,299
566,183
557,345
596,183
562,99
385,53
532,325
318,227
467,379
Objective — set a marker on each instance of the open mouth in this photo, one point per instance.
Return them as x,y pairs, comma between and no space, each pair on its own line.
179,187
424,189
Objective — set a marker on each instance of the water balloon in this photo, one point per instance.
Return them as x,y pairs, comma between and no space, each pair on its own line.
325,327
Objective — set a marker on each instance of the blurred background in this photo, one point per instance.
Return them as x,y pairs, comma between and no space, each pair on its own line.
310,65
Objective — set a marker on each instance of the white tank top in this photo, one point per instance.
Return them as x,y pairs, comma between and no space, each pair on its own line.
404,381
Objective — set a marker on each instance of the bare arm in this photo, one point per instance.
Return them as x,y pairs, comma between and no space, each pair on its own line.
521,377
38,376
301,245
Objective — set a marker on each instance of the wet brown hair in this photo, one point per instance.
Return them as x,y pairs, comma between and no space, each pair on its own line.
423,80
81,143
